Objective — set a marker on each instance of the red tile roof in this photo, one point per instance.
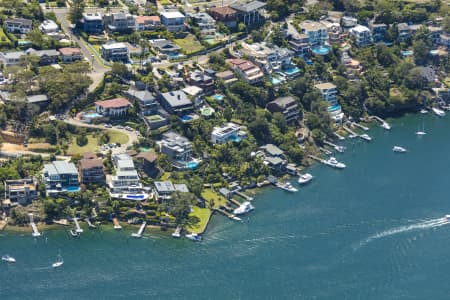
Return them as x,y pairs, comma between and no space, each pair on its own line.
144,19
224,11
113,103
242,64
69,51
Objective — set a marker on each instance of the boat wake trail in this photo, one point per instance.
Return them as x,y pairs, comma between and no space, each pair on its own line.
417,226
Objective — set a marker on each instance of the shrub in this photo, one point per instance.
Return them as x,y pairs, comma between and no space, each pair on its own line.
82,140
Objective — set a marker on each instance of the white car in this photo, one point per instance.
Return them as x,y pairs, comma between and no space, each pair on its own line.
128,128
107,126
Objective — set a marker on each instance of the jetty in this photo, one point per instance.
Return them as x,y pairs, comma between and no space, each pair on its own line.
352,133
88,221
340,137
360,126
77,226
227,214
35,232
248,198
177,232
235,202
326,151
62,222
116,224
3,224
140,231
384,124
335,147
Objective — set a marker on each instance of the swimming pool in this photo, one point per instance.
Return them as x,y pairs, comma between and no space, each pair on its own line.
407,52
186,118
321,50
334,108
73,189
291,71
275,80
235,139
135,197
192,165
218,97
92,115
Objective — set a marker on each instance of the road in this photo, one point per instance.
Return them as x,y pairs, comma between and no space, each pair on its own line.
132,136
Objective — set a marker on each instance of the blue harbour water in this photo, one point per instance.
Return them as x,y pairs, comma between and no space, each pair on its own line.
372,231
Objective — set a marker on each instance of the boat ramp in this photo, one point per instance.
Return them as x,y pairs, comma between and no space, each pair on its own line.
140,231
35,232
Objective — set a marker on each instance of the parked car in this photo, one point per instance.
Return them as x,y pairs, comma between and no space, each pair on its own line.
119,127
107,126
128,128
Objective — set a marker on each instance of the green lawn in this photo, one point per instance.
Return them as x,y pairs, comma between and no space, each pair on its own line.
93,146
4,40
189,44
203,214
209,195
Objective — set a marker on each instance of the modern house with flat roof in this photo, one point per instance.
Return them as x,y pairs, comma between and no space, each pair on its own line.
119,22
146,22
274,158
48,26
404,32
287,106
22,191
125,183
227,76
91,170
362,35
60,176
113,108
176,102
247,70
317,33
92,23
228,132
177,148
18,25
205,23
269,57
164,189
329,93
69,54
225,14
115,52
174,21
298,42
249,13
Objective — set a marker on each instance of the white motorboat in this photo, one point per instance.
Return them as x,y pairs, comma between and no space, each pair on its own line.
399,149
9,259
423,111
243,208
447,217
59,262
421,132
386,126
194,237
332,162
365,137
74,233
235,218
340,149
287,186
438,112
305,178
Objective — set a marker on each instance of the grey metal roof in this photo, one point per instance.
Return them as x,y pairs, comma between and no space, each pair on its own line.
164,186
25,22
13,55
272,150
176,98
140,95
181,188
37,98
60,167
284,101
248,7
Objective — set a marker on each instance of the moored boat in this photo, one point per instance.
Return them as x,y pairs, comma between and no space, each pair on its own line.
447,217
74,233
243,208
365,137
423,111
305,178
332,162
9,259
438,112
386,126
399,149
59,262
287,186
193,237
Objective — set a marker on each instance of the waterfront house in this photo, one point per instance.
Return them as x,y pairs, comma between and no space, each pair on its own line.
115,51
22,191
146,101
165,47
126,178
164,189
227,76
317,33
69,54
329,93
287,106
48,26
11,58
228,132
117,107
149,162
378,32
147,22
18,25
361,35
249,13
247,70
176,102
91,170
274,158
225,14
205,23
60,176
92,23
119,22
177,148
174,21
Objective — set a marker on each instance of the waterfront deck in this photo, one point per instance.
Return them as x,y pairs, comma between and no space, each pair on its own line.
246,197
140,231
228,215
88,221
116,224
35,231
77,226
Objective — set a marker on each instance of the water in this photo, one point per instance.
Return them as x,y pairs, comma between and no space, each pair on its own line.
321,50
372,231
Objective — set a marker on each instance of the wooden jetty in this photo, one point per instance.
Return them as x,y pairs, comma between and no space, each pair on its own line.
116,224
62,222
335,147
88,221
227,214
235,202
35,231
177,232
326,151
384,124
360,126
140,231
77,226
246,197
352,133
340,137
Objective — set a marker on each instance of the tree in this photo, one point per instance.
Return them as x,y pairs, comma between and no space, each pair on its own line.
119,69
82,140
179,206
76,11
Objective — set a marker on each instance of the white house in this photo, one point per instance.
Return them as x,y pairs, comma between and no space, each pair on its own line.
113,108
174,21
48,26
228,132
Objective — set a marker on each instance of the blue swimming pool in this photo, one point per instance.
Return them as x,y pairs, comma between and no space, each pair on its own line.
291,71
73,189
135,197
275,80
235,139
186,118
92,115
321,50
192,165
334,108
218,97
